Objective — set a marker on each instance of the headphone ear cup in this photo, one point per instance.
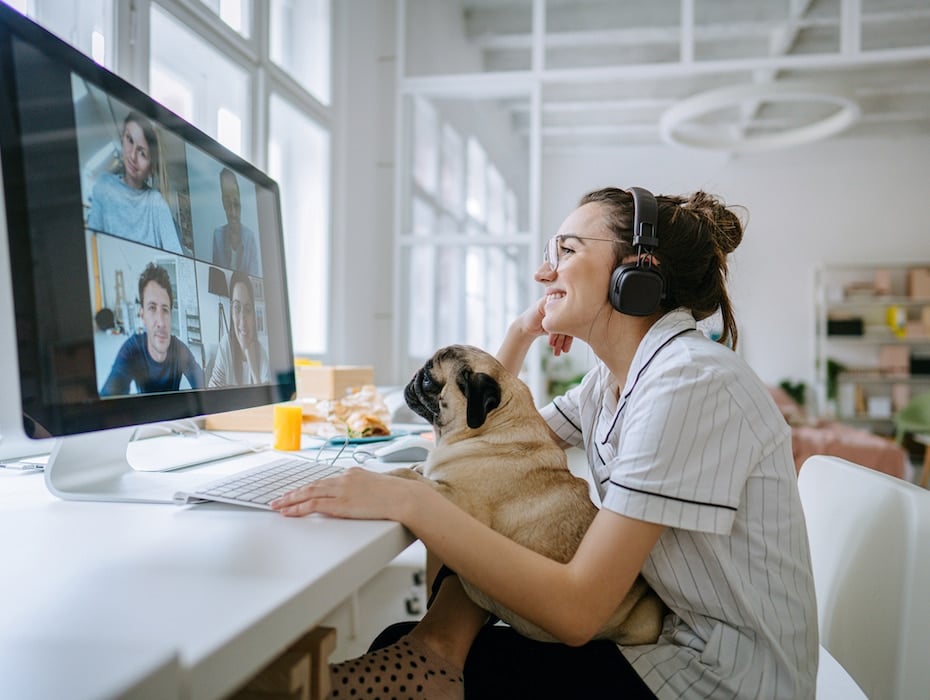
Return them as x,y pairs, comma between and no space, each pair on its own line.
635,291
616,280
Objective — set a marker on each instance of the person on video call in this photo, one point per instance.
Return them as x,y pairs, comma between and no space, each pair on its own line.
242,359
126,204
154,360
235,246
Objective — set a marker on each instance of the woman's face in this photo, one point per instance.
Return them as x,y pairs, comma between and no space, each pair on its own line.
577,291
243,311
137,159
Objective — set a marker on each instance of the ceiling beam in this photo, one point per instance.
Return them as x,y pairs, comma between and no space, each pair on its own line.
671,34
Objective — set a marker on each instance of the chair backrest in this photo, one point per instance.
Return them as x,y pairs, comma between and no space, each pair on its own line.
870,546
914,417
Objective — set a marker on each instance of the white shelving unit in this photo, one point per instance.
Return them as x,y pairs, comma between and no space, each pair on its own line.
873,320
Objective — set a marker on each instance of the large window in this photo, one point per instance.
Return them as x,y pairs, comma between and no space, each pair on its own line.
87,25
195,80
464,249
265,98
235,13
300,43
298,158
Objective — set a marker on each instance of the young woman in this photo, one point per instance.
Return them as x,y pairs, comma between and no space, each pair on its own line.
693,466
242,359
127,204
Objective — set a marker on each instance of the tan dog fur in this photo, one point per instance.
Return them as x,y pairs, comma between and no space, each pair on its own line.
495,458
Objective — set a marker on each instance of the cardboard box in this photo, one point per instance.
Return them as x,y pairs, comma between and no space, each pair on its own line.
331,381
918,283
915,329
894,360
900,396
882,281
259,419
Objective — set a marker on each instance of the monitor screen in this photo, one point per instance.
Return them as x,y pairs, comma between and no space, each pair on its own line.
146,260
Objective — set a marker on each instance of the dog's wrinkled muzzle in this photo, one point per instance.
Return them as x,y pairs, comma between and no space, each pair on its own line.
421,401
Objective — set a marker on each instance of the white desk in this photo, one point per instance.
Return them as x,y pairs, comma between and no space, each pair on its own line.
47,666
223,588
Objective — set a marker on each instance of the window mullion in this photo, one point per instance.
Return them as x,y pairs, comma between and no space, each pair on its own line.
203,22
132,42
262,97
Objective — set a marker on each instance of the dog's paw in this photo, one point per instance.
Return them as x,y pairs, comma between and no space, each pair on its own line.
412,472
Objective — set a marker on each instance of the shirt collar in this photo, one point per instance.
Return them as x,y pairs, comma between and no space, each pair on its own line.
671,324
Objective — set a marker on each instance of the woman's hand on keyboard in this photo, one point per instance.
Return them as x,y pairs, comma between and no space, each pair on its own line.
357,493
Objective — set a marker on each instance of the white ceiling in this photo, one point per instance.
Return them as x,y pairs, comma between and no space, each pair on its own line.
612,69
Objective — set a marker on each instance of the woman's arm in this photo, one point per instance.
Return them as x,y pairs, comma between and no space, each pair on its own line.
571,601
520,336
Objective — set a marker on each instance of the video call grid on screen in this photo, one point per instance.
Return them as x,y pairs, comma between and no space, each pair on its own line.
200,314
76,274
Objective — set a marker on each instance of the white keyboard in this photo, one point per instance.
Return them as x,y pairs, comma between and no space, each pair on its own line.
259,486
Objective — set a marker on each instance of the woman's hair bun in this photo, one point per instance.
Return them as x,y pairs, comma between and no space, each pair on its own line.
725,226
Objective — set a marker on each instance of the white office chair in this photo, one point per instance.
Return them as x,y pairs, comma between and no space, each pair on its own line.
870,545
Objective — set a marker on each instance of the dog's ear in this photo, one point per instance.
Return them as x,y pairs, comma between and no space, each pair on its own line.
482,394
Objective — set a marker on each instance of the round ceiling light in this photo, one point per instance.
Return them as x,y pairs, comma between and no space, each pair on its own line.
679,123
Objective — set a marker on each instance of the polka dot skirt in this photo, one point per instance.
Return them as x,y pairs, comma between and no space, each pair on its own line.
406,670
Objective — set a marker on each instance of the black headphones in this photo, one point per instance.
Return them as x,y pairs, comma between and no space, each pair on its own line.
637,288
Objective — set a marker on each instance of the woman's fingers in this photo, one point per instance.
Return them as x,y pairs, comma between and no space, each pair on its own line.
560,343
355,493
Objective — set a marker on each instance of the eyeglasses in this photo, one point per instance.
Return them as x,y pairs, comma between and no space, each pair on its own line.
552,251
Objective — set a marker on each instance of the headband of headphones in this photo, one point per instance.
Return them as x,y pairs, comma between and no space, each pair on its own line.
645,219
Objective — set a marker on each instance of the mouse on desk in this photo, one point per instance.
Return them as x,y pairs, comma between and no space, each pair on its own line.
410,448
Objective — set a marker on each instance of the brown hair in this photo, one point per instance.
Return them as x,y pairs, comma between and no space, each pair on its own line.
696,233
236,350
158,174
151,136
158,275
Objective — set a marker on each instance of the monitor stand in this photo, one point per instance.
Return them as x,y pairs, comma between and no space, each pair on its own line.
93,467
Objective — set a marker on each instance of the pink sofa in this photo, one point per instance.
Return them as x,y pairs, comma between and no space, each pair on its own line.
839,440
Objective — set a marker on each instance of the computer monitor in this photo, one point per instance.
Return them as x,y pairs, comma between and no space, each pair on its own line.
146,263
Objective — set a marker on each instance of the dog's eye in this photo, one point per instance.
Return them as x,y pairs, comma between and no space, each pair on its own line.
427,380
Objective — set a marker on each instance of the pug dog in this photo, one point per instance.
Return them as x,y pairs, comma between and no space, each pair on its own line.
494,457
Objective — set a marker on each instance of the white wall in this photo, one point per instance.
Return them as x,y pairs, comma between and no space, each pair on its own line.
363,219
841,200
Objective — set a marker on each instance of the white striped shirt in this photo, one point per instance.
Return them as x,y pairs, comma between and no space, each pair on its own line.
696,443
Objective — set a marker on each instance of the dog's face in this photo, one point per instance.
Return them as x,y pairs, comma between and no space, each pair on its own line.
458,386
